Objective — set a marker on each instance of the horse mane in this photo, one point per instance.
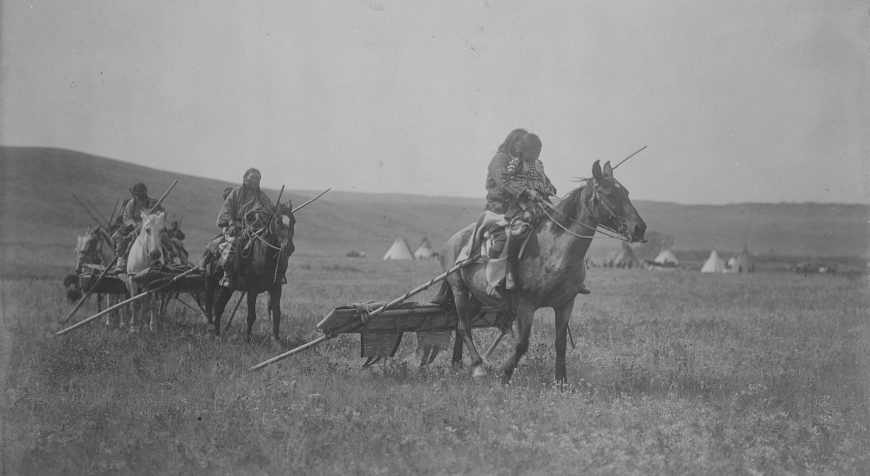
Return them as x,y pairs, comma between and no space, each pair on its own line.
570,206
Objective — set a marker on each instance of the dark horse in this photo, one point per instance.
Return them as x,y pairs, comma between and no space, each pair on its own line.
267,244
551,269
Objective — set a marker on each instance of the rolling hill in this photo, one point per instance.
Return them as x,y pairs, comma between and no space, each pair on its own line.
39,219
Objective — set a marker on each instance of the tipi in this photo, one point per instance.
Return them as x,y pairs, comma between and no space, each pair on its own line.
666,258
399,250
743,262
626,258
714,264
425,251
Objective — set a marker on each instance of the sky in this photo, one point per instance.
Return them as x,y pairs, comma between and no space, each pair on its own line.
736,101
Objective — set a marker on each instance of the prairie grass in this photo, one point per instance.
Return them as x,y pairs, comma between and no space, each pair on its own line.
673,373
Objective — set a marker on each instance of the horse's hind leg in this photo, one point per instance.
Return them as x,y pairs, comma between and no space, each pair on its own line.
252,315
525,314
463,310
217,308
275,311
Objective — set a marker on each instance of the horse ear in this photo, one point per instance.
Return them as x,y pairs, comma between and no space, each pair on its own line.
608,170
596,171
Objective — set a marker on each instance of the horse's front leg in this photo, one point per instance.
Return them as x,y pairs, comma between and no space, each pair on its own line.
275,311
252,315
563,317
524,316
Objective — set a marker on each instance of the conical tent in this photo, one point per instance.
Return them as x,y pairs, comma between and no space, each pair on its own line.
399,250
626,258
425,251
667,258
714,264
743,262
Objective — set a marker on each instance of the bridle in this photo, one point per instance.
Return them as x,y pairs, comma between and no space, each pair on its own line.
606,230
259,234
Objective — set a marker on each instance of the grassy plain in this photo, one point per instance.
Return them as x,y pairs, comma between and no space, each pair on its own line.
673,373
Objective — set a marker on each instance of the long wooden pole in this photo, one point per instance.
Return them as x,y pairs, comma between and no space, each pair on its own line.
494,345
238,303
127,301
630,156
309,201
87,210
419,289
289,353
374,313
90,291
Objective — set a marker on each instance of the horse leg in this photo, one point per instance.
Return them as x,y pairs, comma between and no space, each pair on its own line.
525,314
275,311
463,310
456,360
217,308
252,315
563,316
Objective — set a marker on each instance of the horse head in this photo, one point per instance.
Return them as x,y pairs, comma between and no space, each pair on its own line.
88,248
611,207
283,227
147,246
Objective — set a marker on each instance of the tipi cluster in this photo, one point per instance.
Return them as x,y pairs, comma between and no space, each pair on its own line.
400,250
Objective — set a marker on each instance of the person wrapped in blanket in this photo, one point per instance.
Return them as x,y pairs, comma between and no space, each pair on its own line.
238,202
515,185
130,219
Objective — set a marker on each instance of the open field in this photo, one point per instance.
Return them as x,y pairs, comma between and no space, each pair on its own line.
673,373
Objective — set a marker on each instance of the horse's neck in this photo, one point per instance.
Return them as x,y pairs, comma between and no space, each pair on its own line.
575,214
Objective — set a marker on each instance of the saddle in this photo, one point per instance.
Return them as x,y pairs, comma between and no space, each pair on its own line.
517,230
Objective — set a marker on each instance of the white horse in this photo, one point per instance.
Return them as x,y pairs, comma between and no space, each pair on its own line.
145,250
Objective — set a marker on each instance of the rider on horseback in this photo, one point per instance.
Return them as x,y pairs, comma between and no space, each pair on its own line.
515,185
132,217
237,204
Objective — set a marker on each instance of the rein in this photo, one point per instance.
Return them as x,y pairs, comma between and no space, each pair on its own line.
593,228
259,235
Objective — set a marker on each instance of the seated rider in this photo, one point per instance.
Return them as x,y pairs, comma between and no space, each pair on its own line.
515,184
134,209
237,204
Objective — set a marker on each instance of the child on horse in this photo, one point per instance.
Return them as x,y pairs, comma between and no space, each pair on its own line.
515,186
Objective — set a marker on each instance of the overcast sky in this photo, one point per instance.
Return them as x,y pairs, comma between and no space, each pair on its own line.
737,101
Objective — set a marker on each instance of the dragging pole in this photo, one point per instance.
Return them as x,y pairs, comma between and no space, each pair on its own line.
127,301
90,291
313,199
571,338
289,353
630,156
108,222
238,303
494,345
87,210
277,202
394,302
418,289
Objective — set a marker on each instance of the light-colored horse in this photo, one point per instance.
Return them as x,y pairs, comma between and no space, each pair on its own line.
145,250
551,269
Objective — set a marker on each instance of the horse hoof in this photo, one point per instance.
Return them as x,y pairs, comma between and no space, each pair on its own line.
133,330
479,372
152,329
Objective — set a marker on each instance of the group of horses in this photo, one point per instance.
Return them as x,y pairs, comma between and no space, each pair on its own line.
550,272
153,260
